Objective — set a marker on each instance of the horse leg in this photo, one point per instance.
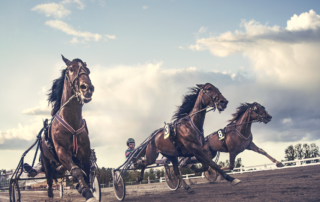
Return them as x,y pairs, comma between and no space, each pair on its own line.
204,159
65,158
254,148
203,168
49,174
175,165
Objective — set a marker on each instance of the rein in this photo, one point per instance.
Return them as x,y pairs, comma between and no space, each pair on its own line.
213,99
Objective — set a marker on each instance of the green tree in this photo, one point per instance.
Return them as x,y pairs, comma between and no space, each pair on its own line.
314,150
238,163
298,151
306,151
290,153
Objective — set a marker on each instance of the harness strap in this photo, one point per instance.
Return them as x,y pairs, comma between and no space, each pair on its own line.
74,132
201,136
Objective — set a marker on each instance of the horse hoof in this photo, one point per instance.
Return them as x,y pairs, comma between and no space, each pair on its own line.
92,200
279,165
235,182
50,194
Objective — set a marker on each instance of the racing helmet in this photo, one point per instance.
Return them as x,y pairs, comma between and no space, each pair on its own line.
130,140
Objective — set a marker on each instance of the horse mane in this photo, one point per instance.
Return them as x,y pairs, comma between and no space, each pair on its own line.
187,104
240,110
55,93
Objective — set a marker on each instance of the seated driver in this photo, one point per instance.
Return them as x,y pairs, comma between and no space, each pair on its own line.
131,145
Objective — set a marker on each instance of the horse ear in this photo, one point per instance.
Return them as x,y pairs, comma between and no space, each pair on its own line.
200,85
66,60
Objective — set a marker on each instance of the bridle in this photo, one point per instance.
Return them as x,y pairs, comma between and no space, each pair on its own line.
260,118
214,99
72,84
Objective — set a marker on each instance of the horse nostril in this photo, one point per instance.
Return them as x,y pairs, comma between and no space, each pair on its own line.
224,101
83,87
91,88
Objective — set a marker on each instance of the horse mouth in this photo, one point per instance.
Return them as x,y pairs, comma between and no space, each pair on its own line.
221,107
86,100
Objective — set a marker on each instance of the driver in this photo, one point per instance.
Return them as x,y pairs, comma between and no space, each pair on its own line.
131,145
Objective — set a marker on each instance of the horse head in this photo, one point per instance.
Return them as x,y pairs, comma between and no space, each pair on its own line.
77,74
212,96
259,113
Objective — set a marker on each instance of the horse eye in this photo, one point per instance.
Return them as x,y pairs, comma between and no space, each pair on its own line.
70,69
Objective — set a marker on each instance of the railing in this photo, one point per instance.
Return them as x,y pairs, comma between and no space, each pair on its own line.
271,166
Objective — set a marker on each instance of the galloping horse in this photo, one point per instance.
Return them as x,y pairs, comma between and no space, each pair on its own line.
188,136
68,130
238,135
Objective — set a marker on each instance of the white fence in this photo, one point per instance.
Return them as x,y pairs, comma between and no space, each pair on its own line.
271,166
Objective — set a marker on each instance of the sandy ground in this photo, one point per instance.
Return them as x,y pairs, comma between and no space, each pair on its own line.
291,184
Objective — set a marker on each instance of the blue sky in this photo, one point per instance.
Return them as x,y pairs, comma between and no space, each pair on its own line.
152,51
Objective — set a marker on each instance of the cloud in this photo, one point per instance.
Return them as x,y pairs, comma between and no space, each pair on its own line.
306,21
68,29
203,30
22,132
52,9
42,109
287,55
111,36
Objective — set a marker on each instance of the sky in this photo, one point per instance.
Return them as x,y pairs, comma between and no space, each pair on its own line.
143,57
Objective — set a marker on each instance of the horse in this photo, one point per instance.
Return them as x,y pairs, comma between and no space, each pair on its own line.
188,137
237,135
68,131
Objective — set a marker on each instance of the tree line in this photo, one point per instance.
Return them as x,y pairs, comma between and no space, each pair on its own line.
301,151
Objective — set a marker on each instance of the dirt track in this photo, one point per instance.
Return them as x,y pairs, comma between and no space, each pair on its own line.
291,184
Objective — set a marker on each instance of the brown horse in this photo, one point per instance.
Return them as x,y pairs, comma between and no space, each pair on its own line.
188,136
238,135
68,130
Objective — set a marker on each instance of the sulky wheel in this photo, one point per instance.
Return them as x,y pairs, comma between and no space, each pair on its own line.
119,186
61,189
211,175
14,191
96,189
173,182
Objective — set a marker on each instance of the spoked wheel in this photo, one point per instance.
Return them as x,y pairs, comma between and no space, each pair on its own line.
119,186
61,189
173,182
211,175
95,186
14,191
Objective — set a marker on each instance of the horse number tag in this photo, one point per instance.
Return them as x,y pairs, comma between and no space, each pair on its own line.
221,135
166,131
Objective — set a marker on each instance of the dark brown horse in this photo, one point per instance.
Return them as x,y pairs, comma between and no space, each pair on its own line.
69,132
238,135
188,137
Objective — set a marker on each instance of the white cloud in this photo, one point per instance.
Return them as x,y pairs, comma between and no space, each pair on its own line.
81,5
42,109
286,120
288,56
22,132
111,36
68,29
145,7
203,29
305,21
52,9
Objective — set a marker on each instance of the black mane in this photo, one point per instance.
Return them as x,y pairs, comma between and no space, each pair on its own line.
187,104
55,93
240,110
